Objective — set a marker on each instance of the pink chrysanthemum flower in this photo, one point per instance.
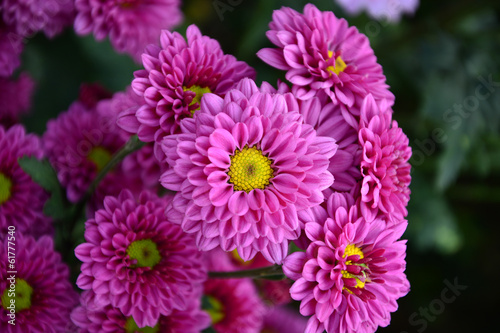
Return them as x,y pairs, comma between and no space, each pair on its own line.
108,319
351,274
21,199
243,167
30,16
135,260
384,165
322,54
11,46
141,163
16,98
175,77
131,25
79,143
44,296
389,10
234,304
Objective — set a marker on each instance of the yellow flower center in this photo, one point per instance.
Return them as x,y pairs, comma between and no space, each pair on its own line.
236,256
5,188
216,310
199,92
249,169
20,296
145,252
340,65
350,250
131,327
100,157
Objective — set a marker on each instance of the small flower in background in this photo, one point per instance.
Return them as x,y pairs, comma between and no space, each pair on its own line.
325,57
15,95
44,296
21,199
131,25
175,77
234,305
32,16
352,272
137,261
243,167
385,168
11,47
79,143
108,319
389,10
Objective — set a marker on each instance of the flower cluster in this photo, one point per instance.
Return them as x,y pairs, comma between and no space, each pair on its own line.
229,178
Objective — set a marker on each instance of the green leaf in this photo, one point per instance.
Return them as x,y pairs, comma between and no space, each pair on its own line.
41,172
209,330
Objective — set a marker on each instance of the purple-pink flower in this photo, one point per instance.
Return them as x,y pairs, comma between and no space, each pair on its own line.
174,79
390,10
15,95
79,143
44,296
352,273
21,199
109,319
131,25
324,56
384,165
11,46
27,17
243,166
136,260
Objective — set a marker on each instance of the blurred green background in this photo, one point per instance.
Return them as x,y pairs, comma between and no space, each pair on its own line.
443,67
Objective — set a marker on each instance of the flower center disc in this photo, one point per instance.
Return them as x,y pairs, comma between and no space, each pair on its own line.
145,252
100,157
249,169
216,310
351,250
5,188
131,327
199,92
340,65
21,294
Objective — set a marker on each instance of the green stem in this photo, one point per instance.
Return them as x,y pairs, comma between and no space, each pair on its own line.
258,273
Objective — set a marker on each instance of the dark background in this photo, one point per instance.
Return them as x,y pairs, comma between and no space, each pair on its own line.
435,62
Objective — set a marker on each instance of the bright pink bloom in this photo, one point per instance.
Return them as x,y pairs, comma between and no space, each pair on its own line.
108,319
136,260
175,77
16,98
44,295
384,165
21,199
351,274
323,55
30,16
243,167
131,25
390,10
78,144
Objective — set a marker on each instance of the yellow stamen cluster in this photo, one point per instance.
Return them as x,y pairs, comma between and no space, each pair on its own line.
340,65
199,91
145,252
5,188
351,250
22,295
216,310
250,169
100,157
